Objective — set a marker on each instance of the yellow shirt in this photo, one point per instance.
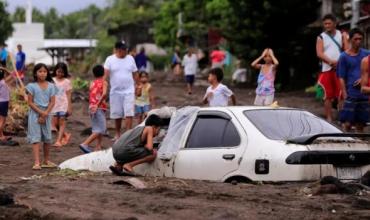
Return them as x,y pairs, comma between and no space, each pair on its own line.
144,98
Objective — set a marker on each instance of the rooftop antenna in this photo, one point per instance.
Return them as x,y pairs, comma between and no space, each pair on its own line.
29,12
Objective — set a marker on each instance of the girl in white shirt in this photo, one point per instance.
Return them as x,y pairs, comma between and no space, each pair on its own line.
218,94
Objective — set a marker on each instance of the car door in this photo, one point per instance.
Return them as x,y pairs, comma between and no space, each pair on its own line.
214,147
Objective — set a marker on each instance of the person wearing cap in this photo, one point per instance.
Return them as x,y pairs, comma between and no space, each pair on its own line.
120,68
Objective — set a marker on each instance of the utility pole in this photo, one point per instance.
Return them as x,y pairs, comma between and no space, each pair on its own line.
91,29
327,7
355,13
29,12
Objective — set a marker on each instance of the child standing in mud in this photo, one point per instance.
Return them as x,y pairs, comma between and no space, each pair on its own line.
63,103
145,100
4,103
41,100
265,90
190,63
135,146
218,94
97,108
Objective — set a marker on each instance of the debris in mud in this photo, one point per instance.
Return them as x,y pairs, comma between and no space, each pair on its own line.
361,203
6,198
135,182
62,173
72,173
16,120
365,179
34,177
79,96
332,185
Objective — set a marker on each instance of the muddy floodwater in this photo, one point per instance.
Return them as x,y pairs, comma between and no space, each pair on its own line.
53,194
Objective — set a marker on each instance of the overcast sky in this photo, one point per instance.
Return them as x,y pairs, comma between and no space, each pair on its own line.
63,6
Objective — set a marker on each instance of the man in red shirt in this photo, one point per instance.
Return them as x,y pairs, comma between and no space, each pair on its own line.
217,58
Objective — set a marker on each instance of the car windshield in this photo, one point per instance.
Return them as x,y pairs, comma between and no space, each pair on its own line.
283,124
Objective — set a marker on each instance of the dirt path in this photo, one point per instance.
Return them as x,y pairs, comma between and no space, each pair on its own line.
52,194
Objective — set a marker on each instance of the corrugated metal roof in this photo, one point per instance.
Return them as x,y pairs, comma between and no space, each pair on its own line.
69,43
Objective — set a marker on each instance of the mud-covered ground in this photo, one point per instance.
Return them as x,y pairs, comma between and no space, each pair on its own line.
53,194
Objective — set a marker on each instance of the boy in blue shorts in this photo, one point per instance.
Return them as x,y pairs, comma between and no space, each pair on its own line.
355,111
97,109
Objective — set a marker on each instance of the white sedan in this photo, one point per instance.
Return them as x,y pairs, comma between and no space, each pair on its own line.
247,143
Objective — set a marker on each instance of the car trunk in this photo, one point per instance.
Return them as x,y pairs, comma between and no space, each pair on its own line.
345,160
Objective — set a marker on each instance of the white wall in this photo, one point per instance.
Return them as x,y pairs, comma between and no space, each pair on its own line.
31,37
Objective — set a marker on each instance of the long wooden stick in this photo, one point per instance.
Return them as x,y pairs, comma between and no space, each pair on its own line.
15,70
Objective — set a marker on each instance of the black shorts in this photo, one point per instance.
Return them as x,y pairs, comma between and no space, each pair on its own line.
190,79
4,106
127,154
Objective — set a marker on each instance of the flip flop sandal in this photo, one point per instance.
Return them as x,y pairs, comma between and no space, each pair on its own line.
9,143
85,149
127,173
36,167
116,171
49,165
120,172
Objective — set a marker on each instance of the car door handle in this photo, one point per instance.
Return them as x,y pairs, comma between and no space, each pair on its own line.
228,156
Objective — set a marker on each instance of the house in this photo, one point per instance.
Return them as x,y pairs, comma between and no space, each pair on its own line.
49,51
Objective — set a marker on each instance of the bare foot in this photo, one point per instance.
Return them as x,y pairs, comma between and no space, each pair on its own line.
66,138
128,168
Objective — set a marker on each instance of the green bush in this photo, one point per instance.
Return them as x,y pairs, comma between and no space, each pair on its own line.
80,84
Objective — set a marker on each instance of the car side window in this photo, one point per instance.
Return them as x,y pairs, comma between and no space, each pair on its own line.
213,131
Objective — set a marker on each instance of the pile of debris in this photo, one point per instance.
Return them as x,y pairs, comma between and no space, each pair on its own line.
16,121
332,185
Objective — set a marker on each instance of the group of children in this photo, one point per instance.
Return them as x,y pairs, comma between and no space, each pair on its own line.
144,102
135,146
50,103
265,90
49,99
218,94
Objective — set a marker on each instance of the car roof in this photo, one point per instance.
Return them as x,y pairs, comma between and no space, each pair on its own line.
248,107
